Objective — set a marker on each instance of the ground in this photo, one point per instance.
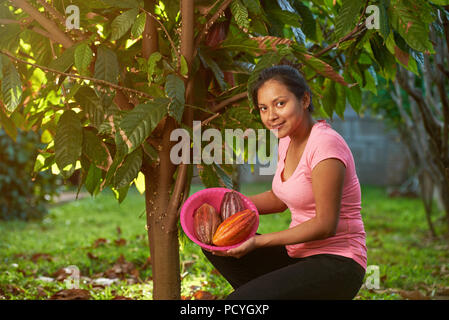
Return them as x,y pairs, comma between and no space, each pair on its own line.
107,244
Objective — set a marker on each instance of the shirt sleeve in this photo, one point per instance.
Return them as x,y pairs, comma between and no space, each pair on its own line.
328,146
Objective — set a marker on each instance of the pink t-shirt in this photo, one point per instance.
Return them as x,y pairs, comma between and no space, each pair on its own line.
296,192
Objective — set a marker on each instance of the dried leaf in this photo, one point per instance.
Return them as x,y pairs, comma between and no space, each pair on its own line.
203,295
71,294
44,256
99,242
413,295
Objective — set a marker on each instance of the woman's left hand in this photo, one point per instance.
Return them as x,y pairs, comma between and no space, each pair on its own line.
239,251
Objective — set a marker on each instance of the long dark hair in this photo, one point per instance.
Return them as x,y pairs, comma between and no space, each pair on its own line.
288,76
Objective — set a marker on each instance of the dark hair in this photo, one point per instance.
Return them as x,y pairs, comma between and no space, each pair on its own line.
288,76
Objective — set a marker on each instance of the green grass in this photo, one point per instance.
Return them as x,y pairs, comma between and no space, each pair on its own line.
397,238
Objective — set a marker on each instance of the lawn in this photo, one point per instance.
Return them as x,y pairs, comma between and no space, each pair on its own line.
107,243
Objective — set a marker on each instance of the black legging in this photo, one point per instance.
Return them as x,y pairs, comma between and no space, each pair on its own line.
270,273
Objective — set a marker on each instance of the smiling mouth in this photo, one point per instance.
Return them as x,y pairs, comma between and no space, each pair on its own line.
277,126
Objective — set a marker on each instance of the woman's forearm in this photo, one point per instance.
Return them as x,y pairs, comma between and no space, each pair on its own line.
266,202
310,230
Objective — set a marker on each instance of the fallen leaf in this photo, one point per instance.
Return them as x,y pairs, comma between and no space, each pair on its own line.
203,295
120,242
44,256
99,242
71,294
413,295
41,292
91,256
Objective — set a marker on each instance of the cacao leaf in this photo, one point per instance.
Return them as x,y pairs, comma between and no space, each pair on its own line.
68,142
347,17
91,105
11,85
83,58
240,13
93,180
96,151
7,124
174,89
106,65
411,20
128,170
138,124
321,67
138,26
122,23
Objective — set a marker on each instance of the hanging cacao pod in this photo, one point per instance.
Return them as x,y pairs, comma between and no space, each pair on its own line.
230,204
235,229
205,222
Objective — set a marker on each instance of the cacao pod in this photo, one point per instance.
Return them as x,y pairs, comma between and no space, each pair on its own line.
235,228
231,204
205,222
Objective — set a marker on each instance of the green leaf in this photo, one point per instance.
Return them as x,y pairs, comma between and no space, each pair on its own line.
91,105
93,180
11,86
175,90
129,169
308,24
440,2
347,17
138,26
240,13
7,124
184,66
354,95
65,61
138,124
106,66
340,100
411,20
152,64
286,17
83,58
208,176
329,97
68,142
120,3
122,23
96,151
210,63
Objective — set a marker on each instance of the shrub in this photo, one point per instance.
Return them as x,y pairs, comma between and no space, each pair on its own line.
23,193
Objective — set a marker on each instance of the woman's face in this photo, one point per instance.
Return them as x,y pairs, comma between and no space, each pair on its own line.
279,108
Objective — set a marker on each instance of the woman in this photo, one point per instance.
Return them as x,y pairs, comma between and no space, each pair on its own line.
323,254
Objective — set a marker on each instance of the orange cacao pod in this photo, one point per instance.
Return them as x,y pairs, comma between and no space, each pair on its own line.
235,228
205,222
231,204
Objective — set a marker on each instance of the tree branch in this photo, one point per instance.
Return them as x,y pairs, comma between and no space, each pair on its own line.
349,36
57,35
76,76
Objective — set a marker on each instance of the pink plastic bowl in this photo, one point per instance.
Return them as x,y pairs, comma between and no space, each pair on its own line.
212,196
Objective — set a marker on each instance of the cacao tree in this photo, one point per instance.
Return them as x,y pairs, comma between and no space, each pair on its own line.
107,81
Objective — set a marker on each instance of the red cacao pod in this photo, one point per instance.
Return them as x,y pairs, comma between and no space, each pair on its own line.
231,204
235,228
205,222
217,33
